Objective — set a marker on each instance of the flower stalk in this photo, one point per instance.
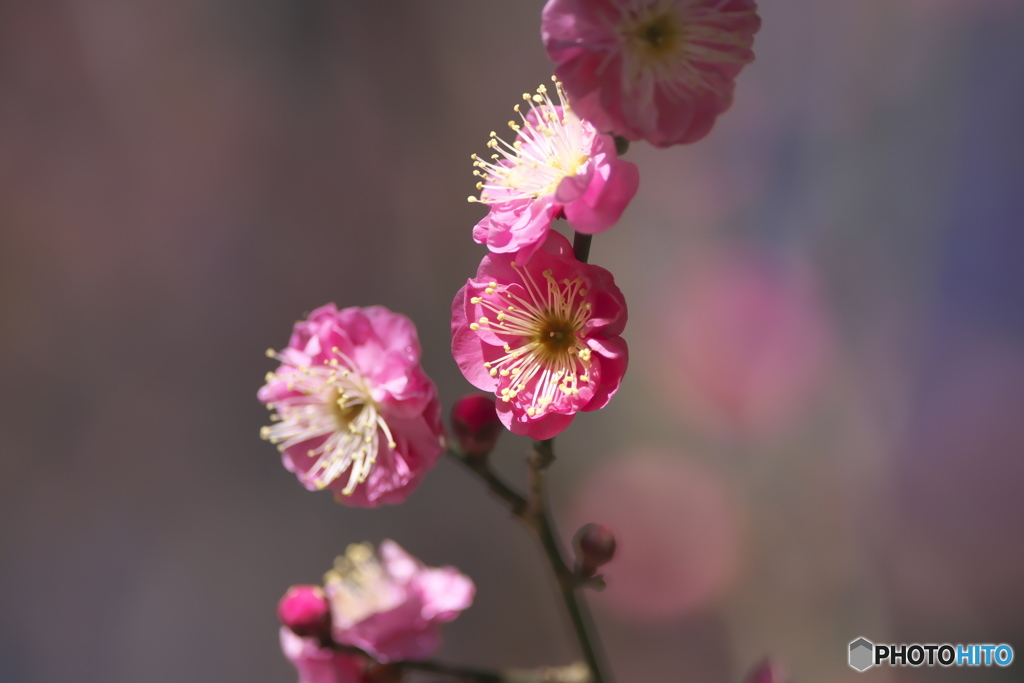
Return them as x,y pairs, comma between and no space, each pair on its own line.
541,457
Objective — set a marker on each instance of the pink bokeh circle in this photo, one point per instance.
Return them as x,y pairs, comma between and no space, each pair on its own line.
678,527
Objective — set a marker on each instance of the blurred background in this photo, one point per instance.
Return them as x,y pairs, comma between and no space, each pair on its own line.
820,436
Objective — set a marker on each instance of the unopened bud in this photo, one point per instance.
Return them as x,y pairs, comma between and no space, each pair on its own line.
476,425
768,671
595,546
304,609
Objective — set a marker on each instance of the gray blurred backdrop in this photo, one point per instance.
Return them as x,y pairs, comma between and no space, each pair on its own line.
820,436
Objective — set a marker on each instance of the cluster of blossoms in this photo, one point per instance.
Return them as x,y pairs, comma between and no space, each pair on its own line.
538,327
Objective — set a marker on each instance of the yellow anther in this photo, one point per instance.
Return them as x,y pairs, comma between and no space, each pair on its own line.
474,327
475,300
271,353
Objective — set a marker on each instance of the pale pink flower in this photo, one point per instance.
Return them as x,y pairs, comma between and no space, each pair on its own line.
559,165
542,335
657,70
318,664
353,410
390,604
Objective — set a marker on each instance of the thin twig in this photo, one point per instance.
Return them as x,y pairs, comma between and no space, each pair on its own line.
540,459
581,246
481,468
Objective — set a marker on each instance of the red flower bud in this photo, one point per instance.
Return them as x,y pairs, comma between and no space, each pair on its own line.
768,671
595,546
476,425
304,609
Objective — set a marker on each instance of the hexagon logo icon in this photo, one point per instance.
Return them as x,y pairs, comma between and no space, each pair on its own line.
862,653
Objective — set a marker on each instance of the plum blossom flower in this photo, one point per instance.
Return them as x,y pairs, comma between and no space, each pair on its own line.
318,664
350,397
559,165
657,70
390,604
543,336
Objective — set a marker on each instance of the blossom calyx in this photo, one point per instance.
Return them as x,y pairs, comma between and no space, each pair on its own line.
476,425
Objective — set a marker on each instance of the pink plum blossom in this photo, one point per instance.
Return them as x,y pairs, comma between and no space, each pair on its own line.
746,343
390,604
559,165
350,397
656,70
542,335
319,664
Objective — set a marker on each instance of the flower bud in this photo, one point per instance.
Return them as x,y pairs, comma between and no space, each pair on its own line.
476,425
595,546
768,671
304,610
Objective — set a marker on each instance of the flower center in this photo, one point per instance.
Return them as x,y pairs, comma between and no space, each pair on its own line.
359,586
546,357
666,39
330,405
658,35
556,335
551,143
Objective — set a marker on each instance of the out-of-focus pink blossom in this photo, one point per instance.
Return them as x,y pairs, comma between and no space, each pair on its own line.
543,336
678,529
767,671
744,342
318,664
657,70
559,165
350,396
305,611
391,605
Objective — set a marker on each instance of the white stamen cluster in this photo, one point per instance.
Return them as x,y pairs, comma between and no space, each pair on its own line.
334,401
548,148
550,356
668,38
359,586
